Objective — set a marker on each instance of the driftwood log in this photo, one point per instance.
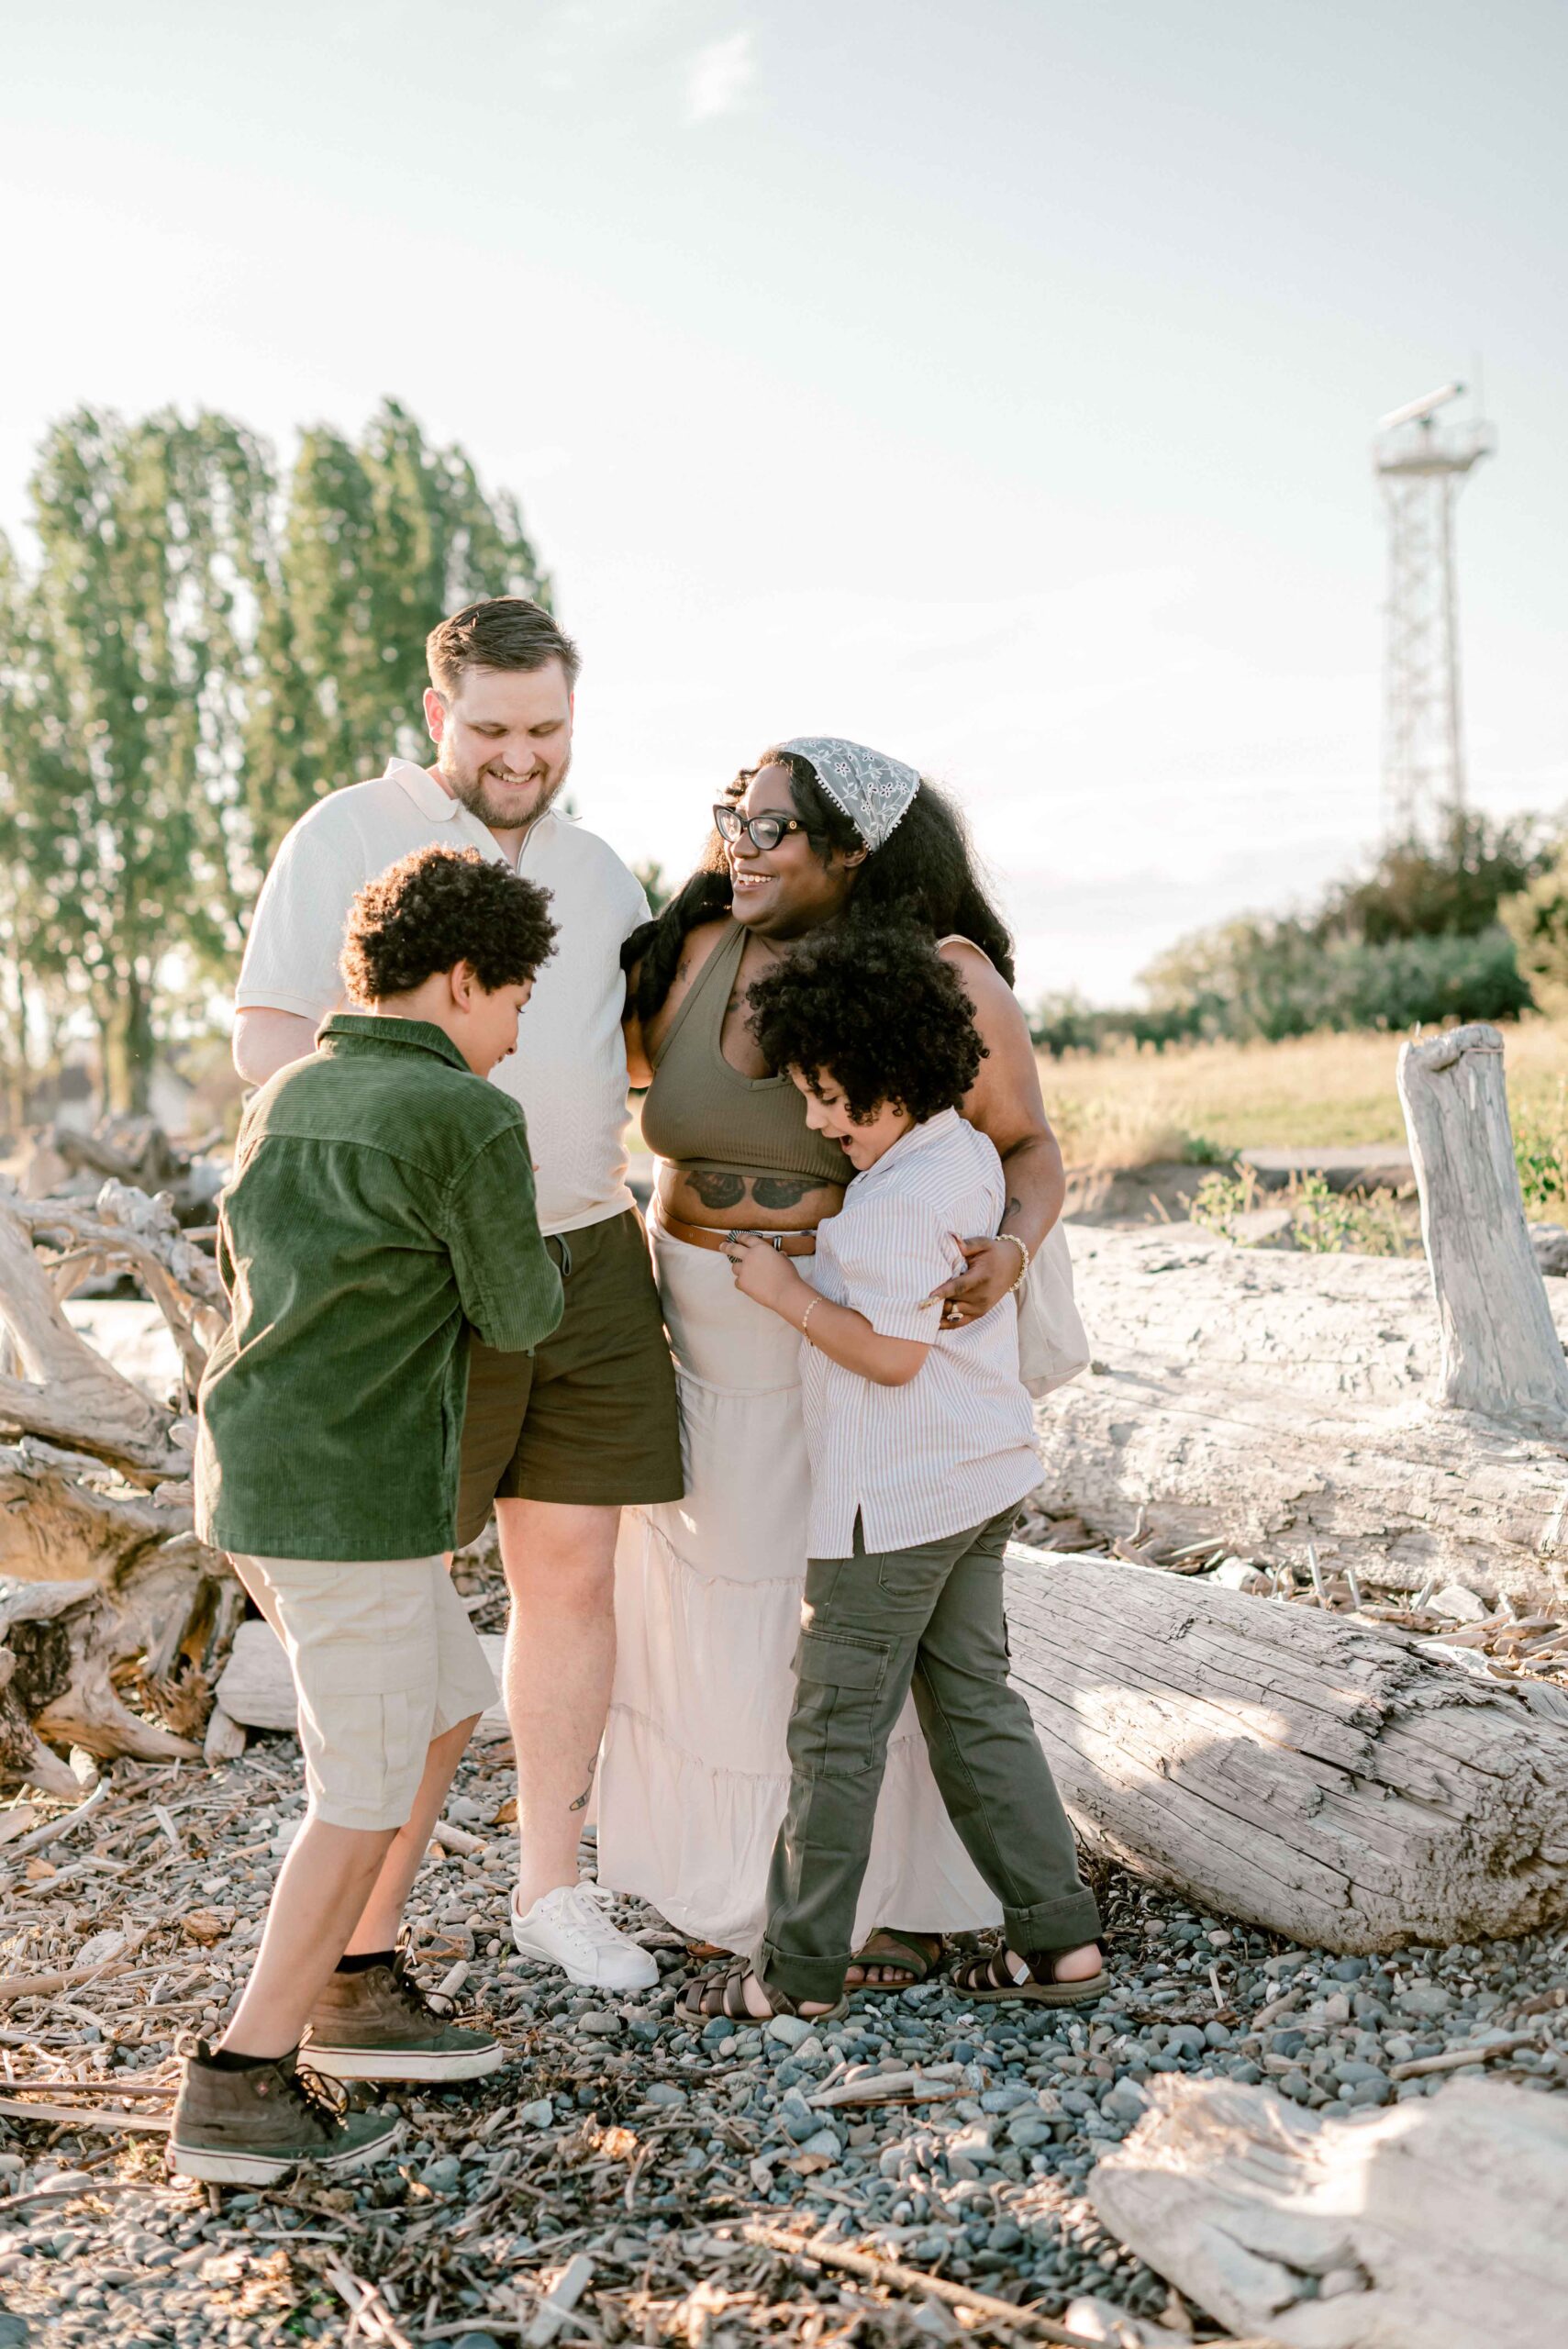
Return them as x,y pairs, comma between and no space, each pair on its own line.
1439,2224
135,1151
1273,1400
1316,1777
1329,1782
114,1619
1276,1400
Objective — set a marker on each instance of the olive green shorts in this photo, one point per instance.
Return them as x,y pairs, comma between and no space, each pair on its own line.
589,1415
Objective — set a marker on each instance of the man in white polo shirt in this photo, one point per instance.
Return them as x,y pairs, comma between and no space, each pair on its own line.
558,1438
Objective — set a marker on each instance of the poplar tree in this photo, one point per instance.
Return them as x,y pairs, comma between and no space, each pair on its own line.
193,657
151,540
379,539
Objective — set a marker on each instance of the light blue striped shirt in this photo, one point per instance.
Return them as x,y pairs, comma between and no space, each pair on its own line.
957,1444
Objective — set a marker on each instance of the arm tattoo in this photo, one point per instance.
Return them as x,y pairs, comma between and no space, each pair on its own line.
1013,1206
782,1190
716,1189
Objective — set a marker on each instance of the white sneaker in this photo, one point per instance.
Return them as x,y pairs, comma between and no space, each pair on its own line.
569,1928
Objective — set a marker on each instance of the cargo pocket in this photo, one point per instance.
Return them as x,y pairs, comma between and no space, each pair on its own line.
838,1687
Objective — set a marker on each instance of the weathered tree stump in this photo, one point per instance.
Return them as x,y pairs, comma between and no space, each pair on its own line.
1501,1356
1442,2225
1312,1776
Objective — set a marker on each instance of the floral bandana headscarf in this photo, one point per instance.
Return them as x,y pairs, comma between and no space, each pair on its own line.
875,792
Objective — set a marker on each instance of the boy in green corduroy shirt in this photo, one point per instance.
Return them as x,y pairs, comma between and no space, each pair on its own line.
381,1203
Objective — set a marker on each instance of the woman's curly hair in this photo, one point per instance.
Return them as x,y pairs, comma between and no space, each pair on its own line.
924,874
880,1012
438,908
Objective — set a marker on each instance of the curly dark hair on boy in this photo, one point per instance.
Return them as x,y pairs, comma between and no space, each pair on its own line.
438,908
878,1012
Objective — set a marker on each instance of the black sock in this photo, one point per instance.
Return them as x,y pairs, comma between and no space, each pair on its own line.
365,1959
224,2059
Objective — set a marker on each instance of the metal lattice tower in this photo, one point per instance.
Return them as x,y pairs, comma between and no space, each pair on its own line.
1422,466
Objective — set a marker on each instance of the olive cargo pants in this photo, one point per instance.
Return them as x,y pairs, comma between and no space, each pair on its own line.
874,1624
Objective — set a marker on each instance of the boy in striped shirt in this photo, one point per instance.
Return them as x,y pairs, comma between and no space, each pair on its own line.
921,1439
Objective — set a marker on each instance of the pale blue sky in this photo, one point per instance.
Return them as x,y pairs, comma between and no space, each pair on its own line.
994,385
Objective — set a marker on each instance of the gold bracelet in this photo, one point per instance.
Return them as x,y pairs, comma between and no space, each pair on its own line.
805,1316
1023,1248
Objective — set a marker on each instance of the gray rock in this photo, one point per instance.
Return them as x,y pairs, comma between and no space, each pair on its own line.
1427,2002
600,2025
539,2114
665,2092
788,2030
442,2176
13,2332
1005,2099
1549,1242
1186,2039
1124,2102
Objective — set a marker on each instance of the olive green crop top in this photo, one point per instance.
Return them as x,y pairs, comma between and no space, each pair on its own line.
700,1111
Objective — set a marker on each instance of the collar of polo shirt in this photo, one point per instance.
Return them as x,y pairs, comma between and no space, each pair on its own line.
436,802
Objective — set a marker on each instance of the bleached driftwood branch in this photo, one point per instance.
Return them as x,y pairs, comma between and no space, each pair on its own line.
115,1619
67,1394
1441,2225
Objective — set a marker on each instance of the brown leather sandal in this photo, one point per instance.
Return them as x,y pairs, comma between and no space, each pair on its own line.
990,1977
917,1955
725,1994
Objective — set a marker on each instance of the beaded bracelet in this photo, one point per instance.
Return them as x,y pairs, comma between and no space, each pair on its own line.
805,1316
1023,1249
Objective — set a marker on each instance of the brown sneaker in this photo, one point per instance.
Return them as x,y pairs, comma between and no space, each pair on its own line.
379,2025
250,2128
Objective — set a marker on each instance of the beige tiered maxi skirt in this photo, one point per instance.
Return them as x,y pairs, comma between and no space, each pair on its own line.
707,1613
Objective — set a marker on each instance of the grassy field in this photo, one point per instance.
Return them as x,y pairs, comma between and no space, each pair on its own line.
1130,1108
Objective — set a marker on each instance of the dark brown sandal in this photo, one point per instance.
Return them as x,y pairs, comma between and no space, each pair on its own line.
991,1978
712,1995
917,1955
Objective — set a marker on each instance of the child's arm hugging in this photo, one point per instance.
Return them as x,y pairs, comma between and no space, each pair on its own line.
905,1254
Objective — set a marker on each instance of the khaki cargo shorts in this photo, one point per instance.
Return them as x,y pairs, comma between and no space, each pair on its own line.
384,1659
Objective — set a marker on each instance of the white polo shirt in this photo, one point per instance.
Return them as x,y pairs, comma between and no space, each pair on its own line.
957,1444
569,1070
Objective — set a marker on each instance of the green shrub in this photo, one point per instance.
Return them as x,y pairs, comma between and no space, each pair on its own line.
1537,921
1270,980
1540,1153
1324,1222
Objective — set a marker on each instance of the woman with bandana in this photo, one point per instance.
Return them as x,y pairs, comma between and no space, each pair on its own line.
695,1771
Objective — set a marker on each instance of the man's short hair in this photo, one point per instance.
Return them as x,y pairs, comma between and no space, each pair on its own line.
503,632
438,908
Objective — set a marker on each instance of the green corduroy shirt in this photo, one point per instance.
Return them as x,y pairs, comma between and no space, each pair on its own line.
382,1203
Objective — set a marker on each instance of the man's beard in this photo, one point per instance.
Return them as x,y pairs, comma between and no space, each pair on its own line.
475,790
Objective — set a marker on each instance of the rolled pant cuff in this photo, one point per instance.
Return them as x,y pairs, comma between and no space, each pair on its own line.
801,1977
1066,1923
